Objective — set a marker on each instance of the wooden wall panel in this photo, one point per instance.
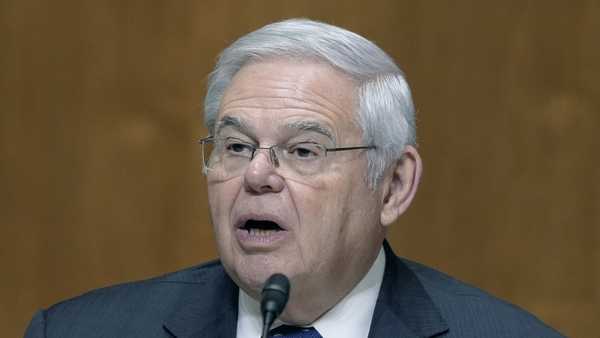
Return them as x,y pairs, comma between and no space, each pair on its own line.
100,107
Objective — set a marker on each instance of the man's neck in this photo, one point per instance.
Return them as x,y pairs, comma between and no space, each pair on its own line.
348,318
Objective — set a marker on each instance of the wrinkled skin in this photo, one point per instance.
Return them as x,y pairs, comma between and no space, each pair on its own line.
333,223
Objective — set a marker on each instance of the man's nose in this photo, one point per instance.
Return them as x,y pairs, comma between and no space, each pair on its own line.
261,175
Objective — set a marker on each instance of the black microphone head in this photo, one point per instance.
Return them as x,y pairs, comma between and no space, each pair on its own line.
275,294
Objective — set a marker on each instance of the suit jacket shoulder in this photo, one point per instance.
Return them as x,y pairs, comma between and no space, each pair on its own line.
425,303
143,308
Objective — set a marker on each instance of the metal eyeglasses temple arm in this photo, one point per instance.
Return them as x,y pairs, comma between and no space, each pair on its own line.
351,148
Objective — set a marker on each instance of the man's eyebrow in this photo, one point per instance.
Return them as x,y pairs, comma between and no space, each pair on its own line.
311,126
230,121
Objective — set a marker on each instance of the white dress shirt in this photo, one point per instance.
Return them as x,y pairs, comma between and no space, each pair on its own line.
350,318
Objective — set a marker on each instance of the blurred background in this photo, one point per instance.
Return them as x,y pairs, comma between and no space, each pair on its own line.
100,175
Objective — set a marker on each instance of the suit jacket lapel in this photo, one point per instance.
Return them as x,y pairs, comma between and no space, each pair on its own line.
208,309
403,308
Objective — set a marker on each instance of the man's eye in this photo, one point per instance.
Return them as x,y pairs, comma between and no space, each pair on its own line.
305,151
236,148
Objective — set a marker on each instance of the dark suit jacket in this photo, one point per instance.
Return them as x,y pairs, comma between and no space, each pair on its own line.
414,301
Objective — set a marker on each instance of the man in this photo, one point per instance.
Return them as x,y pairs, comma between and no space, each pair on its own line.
311,156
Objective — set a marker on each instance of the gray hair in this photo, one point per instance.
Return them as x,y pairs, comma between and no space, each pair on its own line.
386,113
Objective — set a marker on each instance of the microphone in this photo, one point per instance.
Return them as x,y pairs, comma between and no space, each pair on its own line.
275,295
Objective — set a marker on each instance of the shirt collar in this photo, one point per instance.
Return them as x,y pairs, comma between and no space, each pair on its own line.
349,318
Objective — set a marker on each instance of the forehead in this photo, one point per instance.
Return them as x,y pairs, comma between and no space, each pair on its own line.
285,92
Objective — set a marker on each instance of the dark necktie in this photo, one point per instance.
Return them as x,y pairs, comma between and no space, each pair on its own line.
286,331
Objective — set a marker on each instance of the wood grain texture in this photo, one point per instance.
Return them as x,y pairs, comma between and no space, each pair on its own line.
101,106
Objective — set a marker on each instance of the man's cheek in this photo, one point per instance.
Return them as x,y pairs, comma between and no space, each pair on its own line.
313,209
218,200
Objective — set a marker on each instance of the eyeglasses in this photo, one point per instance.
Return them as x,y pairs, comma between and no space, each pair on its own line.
229,156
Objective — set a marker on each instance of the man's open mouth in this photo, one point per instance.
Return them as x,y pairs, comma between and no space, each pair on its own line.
260,226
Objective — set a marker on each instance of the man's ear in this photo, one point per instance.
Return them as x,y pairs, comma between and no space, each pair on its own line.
400,185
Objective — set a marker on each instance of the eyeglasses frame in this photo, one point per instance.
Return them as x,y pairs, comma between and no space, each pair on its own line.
272,154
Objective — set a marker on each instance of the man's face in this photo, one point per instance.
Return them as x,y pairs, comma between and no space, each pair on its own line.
327,224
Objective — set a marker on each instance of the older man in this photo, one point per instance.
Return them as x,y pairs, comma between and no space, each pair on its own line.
311,156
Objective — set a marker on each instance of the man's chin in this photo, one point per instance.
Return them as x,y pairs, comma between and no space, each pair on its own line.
251,278
299,310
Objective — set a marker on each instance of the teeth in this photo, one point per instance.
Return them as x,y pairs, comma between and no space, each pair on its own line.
260,232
